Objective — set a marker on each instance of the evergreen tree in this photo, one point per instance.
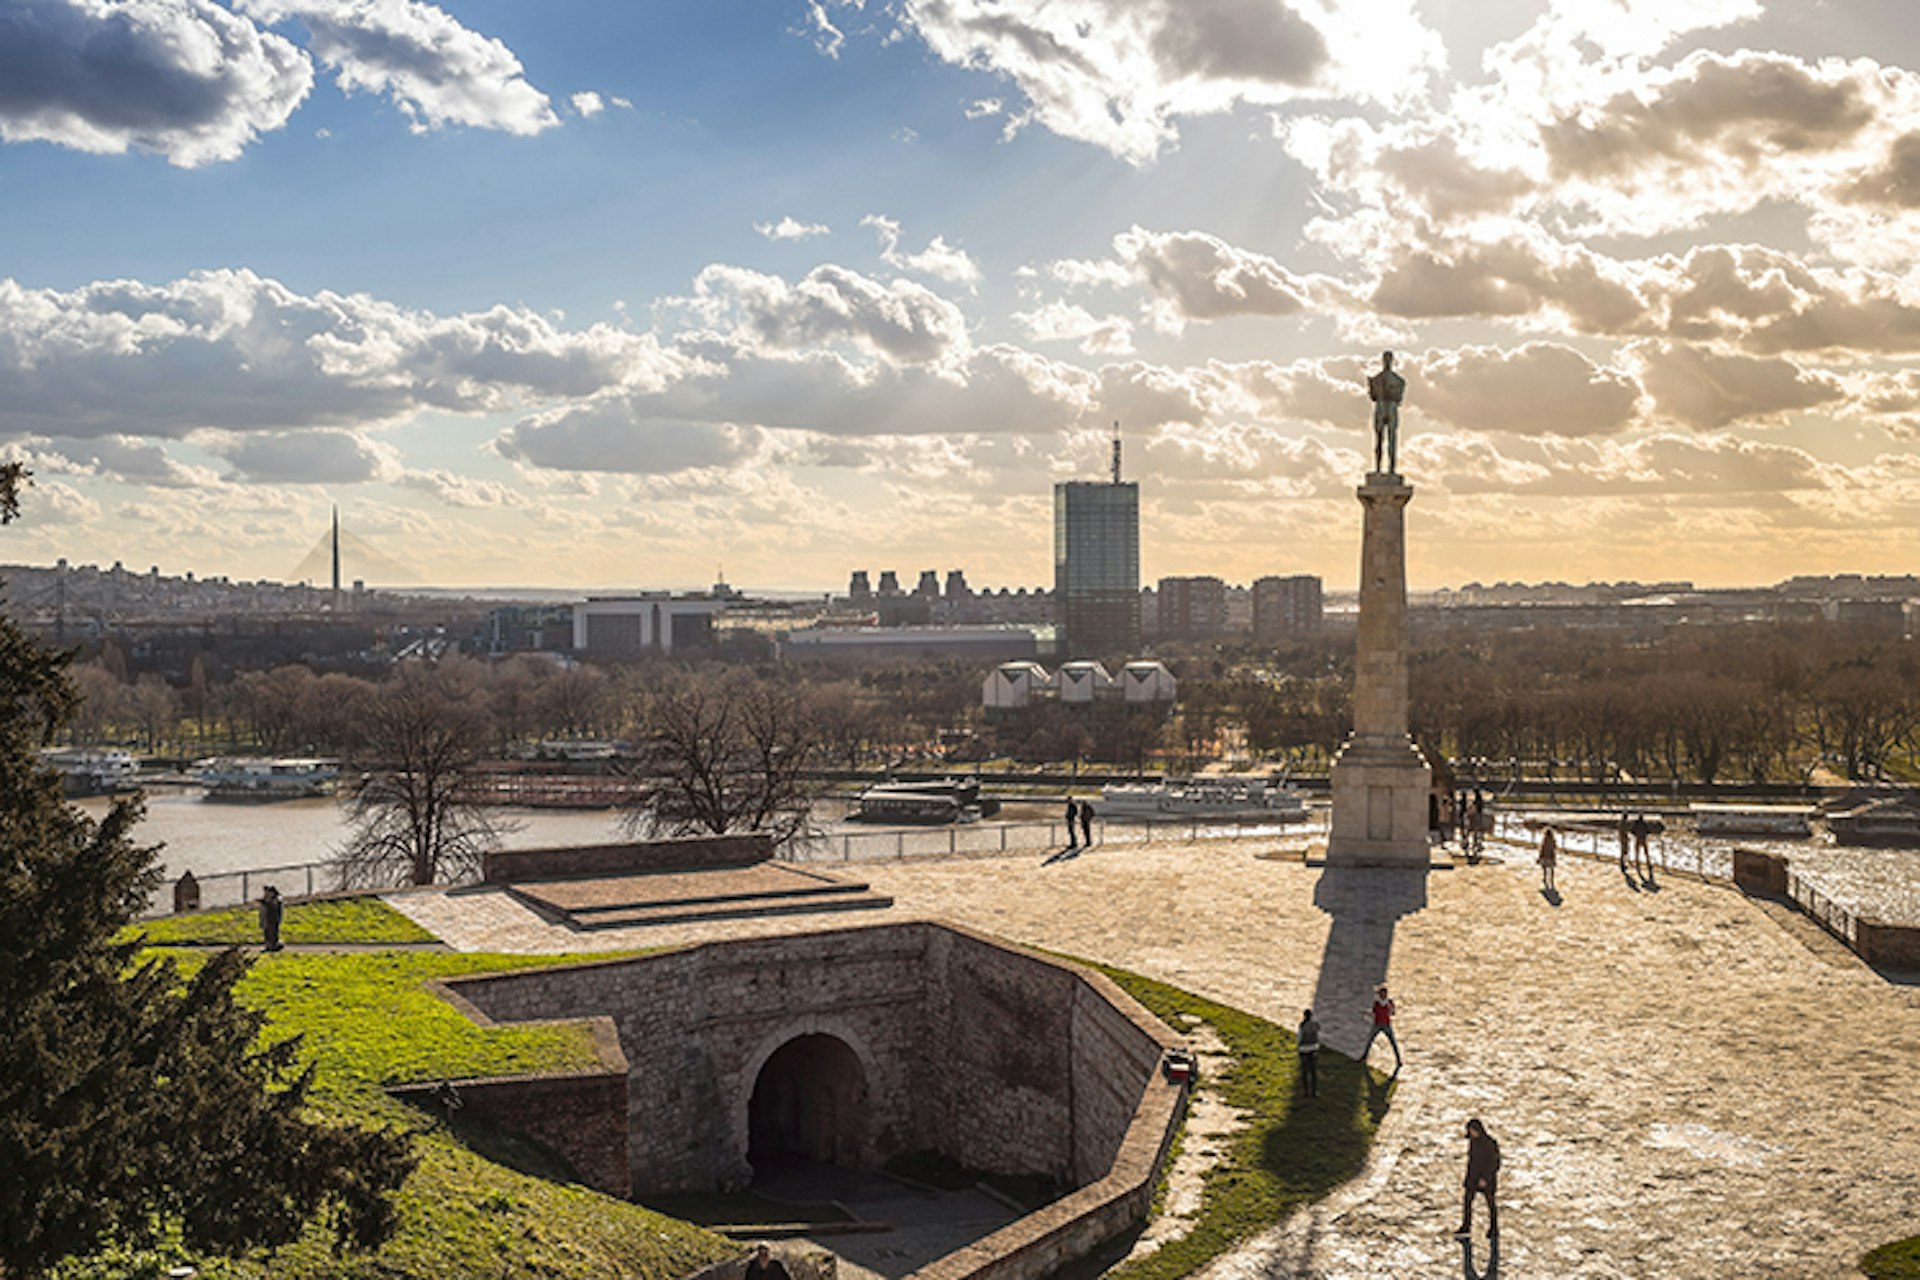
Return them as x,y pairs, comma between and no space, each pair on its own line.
133,1100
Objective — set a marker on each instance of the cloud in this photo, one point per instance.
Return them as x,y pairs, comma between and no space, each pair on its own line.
1064,322
1195,276
184,79
620,434
939,259
588,104
469,492
898,321
308,457
133,461
791,228
434,69
1120,74
231,349
1539,388
1704,388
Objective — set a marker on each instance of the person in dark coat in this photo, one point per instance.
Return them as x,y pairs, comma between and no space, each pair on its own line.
1073,817
764,1266
271,910
1309,1041
1483,1178
1086,823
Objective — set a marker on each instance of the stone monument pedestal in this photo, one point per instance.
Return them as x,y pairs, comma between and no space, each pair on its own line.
1380,780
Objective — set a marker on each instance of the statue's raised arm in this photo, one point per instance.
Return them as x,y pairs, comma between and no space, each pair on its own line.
1386,389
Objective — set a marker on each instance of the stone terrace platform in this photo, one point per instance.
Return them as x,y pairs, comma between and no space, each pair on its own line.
1684,1082
691,896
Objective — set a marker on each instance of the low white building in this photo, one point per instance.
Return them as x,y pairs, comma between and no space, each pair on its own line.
1082,682
1146,682
1014,684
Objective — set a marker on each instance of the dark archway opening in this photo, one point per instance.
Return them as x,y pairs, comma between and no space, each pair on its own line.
808,1105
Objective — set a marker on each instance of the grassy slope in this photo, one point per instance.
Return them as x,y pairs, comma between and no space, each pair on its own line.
367,1022
332,920
1292,1150
1897,1261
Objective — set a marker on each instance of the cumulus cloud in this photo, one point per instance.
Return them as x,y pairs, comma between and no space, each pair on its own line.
1539,388
435,70
308,457
185,79
232,349
620,434
1065,322
131,460
791,228
1120,74
901,320
456,490
1704,388
939,259
588,104
1191,275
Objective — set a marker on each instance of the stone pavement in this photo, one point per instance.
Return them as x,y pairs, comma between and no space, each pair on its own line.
1680,1085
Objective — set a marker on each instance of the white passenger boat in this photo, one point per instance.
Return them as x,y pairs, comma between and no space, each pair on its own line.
93,772
282,778
1781,821
1202,797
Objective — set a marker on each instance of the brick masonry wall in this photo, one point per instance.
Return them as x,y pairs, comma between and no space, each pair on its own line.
506,865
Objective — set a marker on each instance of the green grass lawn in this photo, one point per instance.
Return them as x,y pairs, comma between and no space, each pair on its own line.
330,920
1897,1261
1292,1149
368,1021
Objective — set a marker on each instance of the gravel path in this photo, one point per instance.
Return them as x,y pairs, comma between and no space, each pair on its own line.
1680,1085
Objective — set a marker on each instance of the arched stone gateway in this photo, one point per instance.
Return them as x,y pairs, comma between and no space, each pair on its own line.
810,1102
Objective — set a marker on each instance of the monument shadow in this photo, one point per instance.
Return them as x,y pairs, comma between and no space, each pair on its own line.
1366,905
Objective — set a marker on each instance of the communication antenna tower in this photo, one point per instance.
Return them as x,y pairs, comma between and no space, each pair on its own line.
1116,451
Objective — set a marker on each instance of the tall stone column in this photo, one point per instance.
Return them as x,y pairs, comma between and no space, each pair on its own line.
1380,779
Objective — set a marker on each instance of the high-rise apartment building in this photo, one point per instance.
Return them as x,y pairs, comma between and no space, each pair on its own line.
1191,608
1096,565
1286,608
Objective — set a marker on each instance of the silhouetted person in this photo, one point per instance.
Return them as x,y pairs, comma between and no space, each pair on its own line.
1549,858
1481,823
1309,1038
1483,1178
1382,1026
764,1266
271,912
1073,817
1642,852
1086,823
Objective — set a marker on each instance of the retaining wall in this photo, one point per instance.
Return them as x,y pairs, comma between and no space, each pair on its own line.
689,854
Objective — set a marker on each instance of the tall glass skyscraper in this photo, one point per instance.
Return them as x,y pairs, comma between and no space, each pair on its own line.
1096,567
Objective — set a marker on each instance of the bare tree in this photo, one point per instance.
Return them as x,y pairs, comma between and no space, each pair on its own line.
413,820
727,753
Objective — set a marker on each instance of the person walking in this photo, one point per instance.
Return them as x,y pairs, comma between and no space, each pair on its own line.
1549,858
764,1266
1382,1026
1483,1178
1309,1040
1642,849
1481,823
271,912
1073,817
1086,823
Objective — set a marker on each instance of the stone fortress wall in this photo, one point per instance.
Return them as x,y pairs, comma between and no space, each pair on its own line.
998,1058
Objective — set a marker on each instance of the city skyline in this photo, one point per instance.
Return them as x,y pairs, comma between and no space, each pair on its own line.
594,295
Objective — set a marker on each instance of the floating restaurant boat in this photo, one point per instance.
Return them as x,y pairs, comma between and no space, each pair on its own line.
93,772
1202,797
283,778
1782,821
931,803
1887,823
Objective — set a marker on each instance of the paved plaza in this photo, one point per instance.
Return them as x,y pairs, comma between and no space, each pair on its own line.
1684,1082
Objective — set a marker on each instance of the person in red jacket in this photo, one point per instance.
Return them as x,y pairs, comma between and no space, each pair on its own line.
1382,1026
1483,1178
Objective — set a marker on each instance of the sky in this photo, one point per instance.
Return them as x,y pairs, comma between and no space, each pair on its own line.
592,294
